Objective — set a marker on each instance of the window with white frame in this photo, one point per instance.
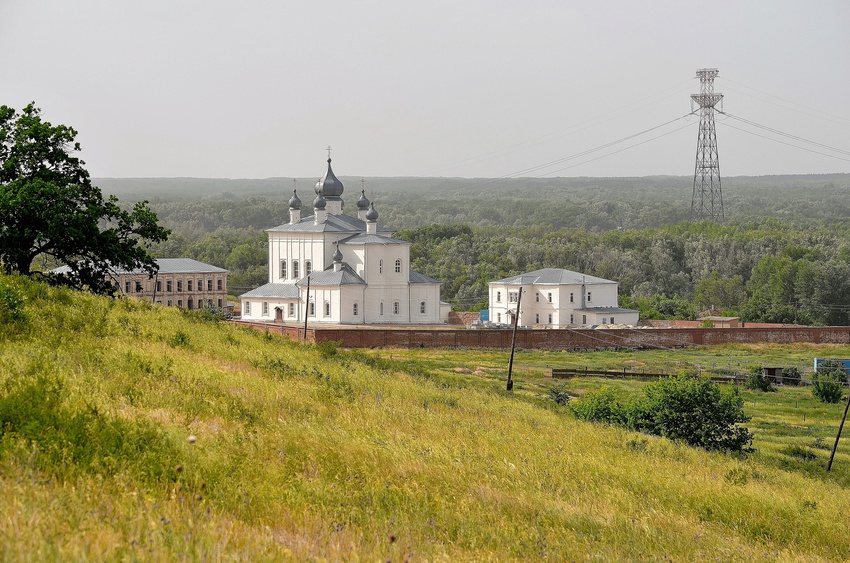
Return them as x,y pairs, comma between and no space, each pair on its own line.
422,308
498,297
308,267
283,270
292,309
498,317
265,308
209,285
381,266
189,285
327,308
550,318
218,285
395,307
312,309
571,320
612,320
295,270
354,310
537,318
550,297
584,319
381,309
168,286
588,297
537,297
572,297
179,286
513,297
398,265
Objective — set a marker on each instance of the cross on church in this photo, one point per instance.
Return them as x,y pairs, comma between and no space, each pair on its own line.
329,152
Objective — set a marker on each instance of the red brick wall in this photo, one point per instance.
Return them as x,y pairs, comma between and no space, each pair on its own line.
584,339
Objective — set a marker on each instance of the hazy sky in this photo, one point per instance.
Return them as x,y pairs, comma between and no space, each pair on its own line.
255,89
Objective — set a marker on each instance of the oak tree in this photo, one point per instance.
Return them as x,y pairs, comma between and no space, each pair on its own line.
49,207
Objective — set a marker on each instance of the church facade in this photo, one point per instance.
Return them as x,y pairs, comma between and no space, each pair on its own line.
339,269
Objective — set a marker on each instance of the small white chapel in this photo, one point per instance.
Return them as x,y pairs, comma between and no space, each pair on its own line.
341,269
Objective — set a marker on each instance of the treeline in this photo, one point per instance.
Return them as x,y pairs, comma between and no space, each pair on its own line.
781,256
763,272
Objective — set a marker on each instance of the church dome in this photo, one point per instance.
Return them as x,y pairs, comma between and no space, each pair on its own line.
319,202
363,203
372,214
329,185
294,201
337,256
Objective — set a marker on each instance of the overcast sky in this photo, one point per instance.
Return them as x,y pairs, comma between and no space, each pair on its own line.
257,89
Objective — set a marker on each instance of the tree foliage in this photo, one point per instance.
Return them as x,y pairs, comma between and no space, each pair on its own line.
828,381
688,408
49,207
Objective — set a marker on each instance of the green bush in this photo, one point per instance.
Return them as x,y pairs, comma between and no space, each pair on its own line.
559,394
11,304
694,410
688,408
599,406
756,380
791,376
828,381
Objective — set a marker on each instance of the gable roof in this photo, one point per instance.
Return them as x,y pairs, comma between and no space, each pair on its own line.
345,276
366,238
416,277
275,290
333,224
551,276
166,266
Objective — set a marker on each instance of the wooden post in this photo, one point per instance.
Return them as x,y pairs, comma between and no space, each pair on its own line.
837,436
513,342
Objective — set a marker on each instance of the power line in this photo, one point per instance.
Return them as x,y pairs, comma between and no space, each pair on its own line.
789,135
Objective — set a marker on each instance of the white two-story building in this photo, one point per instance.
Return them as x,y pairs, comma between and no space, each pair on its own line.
341,269
556,298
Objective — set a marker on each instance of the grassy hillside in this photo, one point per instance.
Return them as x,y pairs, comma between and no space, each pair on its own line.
143,433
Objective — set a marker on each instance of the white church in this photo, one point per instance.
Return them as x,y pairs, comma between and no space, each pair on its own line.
341,269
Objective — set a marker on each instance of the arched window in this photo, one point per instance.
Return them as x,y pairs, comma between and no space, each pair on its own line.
327,308
381,309
398,265
354,309
295,271
381,267
308,267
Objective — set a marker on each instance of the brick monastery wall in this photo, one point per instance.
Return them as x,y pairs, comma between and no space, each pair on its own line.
559,339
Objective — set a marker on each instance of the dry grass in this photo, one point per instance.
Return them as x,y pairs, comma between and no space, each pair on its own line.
309,453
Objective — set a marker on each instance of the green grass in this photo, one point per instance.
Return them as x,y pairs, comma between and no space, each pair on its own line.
305,452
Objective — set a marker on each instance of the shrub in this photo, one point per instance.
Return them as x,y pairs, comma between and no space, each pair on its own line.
756,380
791,376
828,381
599,406
11,304
559,394
694,410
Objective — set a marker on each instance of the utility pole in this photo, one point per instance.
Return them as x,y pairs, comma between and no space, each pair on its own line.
707,200
306,308
513,342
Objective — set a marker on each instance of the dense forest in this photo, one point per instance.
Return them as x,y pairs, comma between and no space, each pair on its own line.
781,255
